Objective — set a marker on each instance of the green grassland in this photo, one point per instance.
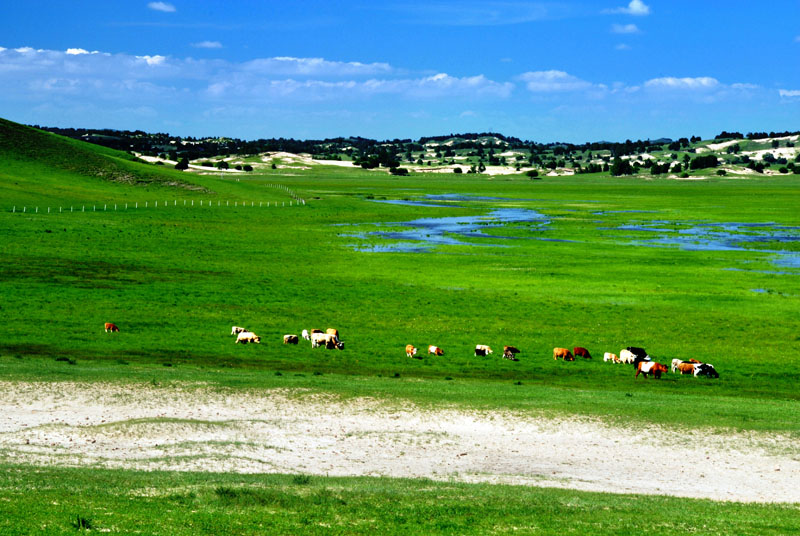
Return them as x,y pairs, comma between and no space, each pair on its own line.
61,501
176,278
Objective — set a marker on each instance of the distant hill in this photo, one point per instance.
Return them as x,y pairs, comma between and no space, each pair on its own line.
28,146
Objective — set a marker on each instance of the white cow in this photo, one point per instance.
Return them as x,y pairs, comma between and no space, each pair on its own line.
327,340
247,336
608,356
237,329
626,356
305,335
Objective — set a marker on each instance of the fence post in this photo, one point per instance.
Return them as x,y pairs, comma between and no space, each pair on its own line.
14,209
156,204
184,202
137,204
146,203
37,210
115,206
23,209
105,206
48,210
59,210
176,202
192,202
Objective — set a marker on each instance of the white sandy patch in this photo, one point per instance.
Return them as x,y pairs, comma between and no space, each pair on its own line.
341,163
171,428
721,145
790,153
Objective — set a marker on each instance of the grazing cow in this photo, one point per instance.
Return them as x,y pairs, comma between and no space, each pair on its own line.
435,350
638,352
482,350
563,353
316,331
694,361
305,335
291,339
580,351
247,336
705,369
334,332
650,367
685,367
235,330
510,352
608,356
111,327
626,357
411,351
327,340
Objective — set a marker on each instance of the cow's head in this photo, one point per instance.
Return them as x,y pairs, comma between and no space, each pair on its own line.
340,345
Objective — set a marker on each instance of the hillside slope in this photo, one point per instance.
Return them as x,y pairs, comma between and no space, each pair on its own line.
24,150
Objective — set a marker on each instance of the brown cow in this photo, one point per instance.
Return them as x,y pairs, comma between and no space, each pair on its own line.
435,350
411,351
686,368
509,352
650,367
291,339
334,332
563,353
580,351
111,327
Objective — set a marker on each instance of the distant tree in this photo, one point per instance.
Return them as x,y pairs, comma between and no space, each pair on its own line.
183,164
677,167
776,144
457,170
247,167
621,167
532,174
783,170
703,162
398,171
721,172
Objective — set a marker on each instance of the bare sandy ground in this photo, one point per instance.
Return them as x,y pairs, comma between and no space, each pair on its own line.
199,429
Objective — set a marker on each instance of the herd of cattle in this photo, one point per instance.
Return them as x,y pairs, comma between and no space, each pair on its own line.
638,357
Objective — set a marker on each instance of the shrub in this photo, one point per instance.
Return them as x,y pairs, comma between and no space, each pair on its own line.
532,173
457,170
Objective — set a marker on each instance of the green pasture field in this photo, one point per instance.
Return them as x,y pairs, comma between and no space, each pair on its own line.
176,279
69,501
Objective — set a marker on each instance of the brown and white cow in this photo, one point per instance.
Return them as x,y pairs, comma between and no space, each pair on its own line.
482,350
435,350
580,351
510,352
291,339
235,330
327,340
411,350
608,356
650,367
563,353
247,336
334,332
111,327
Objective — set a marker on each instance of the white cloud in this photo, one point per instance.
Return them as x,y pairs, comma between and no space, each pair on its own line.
622,46
553,81
624,28
76,51
207,44
635,7
669,82
797,39
789,93
152,60
162,6
286,65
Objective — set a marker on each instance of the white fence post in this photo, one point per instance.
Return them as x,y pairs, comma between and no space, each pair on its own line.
37,210
105,206
48,210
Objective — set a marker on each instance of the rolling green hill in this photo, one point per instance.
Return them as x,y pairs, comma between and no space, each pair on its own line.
46,165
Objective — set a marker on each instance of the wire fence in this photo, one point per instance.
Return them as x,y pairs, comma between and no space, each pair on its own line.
138,205
295,201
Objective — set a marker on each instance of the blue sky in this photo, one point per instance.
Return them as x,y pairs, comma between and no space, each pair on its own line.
544,71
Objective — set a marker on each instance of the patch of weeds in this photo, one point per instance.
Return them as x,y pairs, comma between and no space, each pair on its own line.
82,523
154,382
278,373
301,480
167,364
67,360
300,374
396,375
122,362
517,383
316,373
448,378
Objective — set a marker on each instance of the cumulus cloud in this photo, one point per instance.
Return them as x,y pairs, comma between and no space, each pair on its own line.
162,6
669,82
624,28
553,81
635,7
207,44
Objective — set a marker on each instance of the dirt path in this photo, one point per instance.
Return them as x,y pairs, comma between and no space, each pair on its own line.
145,427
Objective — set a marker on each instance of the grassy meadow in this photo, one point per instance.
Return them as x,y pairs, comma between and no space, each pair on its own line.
176,278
